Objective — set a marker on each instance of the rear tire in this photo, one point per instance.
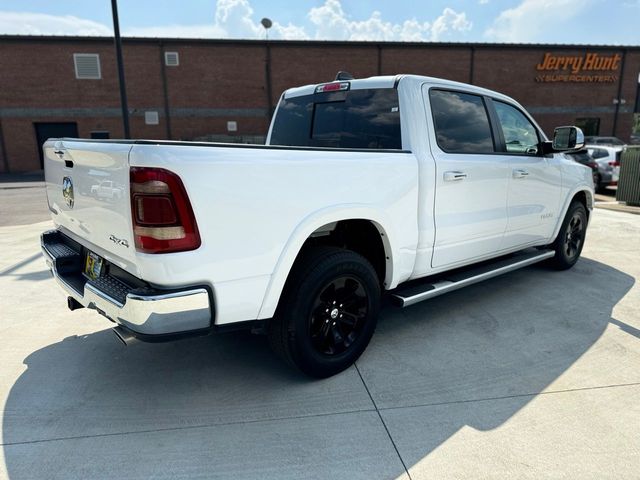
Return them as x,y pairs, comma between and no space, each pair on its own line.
570,240
328,311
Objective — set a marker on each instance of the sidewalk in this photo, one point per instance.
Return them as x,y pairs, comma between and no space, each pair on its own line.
608,201
22,180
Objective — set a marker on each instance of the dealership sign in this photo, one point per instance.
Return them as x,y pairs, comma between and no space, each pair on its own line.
588,68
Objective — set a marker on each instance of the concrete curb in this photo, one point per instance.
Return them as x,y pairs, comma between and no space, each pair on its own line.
7,186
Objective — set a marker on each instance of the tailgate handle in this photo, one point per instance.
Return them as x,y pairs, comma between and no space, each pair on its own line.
59,152
68,163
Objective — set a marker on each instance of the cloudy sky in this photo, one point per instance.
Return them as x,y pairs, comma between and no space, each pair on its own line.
538,21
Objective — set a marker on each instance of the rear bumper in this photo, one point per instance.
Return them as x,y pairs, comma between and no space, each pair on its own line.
148,313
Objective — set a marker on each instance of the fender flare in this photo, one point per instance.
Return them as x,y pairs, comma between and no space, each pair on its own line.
310,224
569,198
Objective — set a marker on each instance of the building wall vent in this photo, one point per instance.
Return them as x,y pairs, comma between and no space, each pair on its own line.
87,66
171,59
151,118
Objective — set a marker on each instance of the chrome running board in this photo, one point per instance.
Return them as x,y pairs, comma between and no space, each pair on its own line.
419,290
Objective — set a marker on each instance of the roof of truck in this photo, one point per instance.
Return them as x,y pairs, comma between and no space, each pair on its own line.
391,81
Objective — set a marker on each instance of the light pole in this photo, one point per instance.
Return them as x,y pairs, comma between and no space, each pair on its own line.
267,24
123,88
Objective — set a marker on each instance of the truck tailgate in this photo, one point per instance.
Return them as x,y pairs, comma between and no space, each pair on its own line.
87,185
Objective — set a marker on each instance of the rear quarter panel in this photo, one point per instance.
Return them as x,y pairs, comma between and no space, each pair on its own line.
256,206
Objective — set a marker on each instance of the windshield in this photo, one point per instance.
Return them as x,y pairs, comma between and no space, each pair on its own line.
359,119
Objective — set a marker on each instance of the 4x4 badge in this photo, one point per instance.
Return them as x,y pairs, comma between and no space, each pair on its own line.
119,241
67,191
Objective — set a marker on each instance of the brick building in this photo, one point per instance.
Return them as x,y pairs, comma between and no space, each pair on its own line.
224,89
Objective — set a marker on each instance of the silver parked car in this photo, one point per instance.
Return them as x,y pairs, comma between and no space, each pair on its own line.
608,160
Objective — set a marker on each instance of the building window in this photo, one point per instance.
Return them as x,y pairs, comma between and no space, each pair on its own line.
100,134
589,126
171,59
87,66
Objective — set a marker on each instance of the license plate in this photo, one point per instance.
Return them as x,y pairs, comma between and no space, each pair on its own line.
93,265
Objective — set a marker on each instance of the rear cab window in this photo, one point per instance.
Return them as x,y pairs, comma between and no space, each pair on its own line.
353,119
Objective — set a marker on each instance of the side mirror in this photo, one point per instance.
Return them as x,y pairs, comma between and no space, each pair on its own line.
567,138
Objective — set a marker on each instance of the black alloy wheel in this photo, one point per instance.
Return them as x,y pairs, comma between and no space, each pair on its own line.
338,315
574,235
570,240
327,312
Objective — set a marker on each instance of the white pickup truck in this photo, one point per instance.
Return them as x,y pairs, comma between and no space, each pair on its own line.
406,184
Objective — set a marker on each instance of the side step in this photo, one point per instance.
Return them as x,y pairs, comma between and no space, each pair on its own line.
417,291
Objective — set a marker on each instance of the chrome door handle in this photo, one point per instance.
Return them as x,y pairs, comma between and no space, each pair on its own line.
454,176
520,173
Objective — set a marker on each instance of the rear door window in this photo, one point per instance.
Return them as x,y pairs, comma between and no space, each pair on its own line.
461,122
358,119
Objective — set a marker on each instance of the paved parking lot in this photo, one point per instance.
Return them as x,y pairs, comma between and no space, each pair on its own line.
533,374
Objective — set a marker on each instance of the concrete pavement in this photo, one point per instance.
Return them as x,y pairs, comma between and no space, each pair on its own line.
22,203
533,374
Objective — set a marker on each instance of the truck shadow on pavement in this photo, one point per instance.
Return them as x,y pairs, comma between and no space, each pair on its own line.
225,406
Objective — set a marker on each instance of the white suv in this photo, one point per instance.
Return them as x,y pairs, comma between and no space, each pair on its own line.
608,159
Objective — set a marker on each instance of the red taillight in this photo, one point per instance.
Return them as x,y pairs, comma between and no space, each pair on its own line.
163,219
614,164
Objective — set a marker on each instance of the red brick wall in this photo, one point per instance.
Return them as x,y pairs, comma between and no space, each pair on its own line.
217,76
221,81
450,63
295,65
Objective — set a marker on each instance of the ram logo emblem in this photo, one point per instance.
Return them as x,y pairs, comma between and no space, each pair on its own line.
67,191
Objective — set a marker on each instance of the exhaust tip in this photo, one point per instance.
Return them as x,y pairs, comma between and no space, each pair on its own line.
124,336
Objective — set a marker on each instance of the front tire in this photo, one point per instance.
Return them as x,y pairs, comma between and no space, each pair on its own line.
328,311
570,240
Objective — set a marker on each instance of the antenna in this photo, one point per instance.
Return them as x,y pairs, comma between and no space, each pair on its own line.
342,75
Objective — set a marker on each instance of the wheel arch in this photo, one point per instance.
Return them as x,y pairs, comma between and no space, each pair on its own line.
320,221
585,196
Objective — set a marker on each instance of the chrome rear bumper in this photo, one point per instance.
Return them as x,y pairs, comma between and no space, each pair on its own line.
144,311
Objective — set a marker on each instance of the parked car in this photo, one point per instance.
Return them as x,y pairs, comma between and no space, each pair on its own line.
608,160
583,157
610,141
412,185
106,189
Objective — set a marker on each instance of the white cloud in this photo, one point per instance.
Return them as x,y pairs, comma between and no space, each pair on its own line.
231,19
332,23
532,20
235,19
450,20
25,23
